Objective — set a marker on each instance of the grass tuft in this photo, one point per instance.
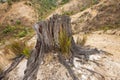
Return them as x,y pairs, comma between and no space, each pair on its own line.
82,41
64,43
19,47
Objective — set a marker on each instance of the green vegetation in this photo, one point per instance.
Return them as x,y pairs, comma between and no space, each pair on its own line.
8,29
18,22
19,47
108,27
22,33
83,8
18,30
95,2
9,2
14,32
45,7
64,1
69,13
64,43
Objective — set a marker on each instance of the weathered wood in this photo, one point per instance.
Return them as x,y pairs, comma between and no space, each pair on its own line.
48,33
71,72
12,66
34,62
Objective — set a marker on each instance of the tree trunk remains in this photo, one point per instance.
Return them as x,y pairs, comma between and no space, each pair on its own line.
48,34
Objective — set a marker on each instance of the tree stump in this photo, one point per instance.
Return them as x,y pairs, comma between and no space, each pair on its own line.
55,35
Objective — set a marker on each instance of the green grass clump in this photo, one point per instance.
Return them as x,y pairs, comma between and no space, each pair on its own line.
108,27
8,29
64,43
95,2
69,13
64,1
14,31
18,22
19,47
22,33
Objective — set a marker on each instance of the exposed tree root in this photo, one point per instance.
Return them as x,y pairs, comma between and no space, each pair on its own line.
68,67
93,72
12,66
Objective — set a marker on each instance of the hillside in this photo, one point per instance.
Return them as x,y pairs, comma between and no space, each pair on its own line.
95,24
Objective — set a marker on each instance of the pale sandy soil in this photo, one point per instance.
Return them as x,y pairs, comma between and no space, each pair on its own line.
106,64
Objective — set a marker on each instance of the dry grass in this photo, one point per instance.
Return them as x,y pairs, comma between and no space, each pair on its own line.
19,47
5,57
82,41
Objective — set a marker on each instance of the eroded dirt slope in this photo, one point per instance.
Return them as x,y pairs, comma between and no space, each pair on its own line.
19,11
106,13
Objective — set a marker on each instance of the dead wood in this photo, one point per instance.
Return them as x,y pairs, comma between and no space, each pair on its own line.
48,35
12,66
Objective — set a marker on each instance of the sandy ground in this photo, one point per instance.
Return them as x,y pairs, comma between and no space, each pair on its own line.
105,64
